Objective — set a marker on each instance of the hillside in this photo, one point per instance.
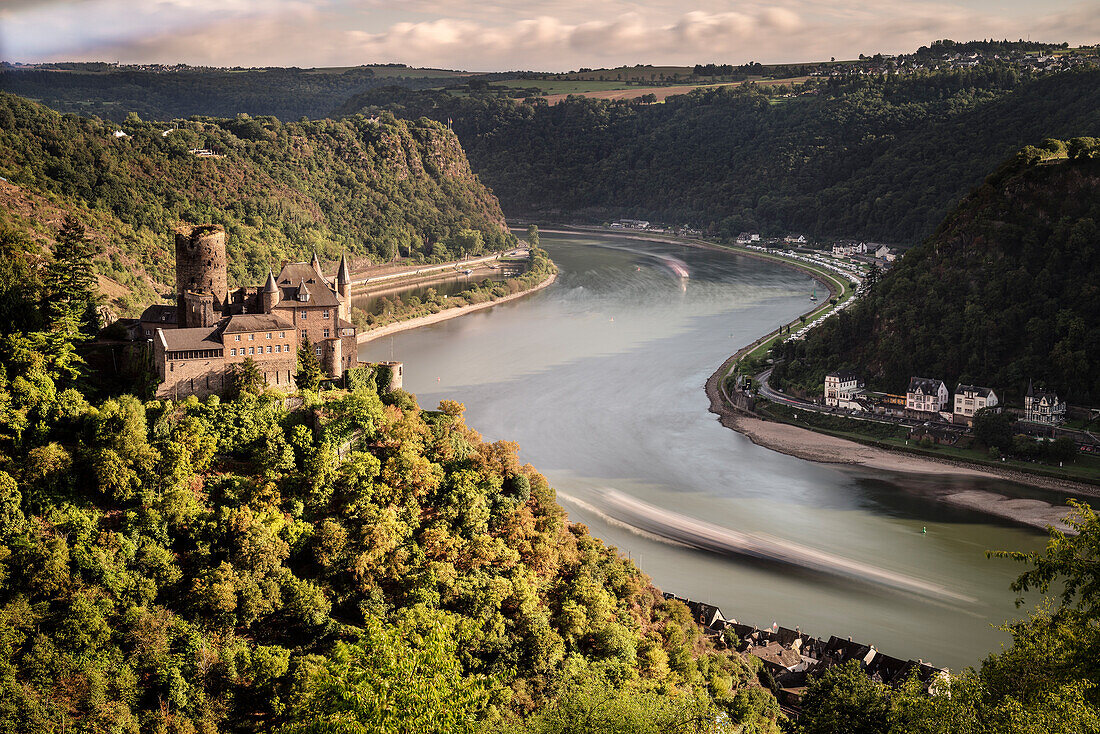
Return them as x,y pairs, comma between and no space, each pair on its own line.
165,93
370,187
876,157
1007,290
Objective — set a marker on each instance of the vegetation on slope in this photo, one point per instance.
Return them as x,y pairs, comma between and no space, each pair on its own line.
1007,290
368,187
880,158
289,94
359,564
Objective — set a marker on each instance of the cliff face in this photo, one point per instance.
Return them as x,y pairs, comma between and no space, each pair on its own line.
374,187
1006,290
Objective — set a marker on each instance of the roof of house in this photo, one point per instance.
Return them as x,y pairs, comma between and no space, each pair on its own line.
1039,393
161,313
269,286
844,375
256,322
704,613
189,340
776,654
296,276
926,385
982,392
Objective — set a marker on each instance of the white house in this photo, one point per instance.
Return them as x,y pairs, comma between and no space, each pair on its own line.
1041,406
841,390
969,399
926,395
795,239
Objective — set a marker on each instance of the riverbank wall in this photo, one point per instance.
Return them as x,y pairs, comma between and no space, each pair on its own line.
444,315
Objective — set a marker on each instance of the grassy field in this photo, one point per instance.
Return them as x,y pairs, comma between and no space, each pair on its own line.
395,71
555,90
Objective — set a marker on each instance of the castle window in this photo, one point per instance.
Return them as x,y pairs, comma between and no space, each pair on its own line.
269,349
269,335
251,337
232,352
317,350
302,313
282,335
325,314
252,350
305,334
237,338
326,334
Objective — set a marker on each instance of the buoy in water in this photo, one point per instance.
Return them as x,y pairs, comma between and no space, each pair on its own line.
923,531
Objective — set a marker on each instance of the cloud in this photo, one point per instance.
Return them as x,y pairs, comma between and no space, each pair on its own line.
507,34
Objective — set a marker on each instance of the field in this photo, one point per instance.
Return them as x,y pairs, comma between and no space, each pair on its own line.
556,89
395,71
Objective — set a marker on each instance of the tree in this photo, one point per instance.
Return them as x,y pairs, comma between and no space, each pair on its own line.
994,428
533,235
248,378
845,701
309,374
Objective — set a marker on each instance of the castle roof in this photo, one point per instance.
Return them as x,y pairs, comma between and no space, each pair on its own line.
295,276
256,322
315,263
190,340
161,313
269,286
343,276
844,375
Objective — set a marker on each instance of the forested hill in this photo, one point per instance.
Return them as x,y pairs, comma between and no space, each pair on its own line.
1006,291
365,186
872,157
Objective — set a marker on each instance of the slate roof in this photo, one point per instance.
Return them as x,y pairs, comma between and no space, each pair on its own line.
187,340
160,313
844,375
300,275
777,655
256,322
982,392
925,384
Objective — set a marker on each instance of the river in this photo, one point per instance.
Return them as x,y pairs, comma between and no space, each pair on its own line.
599,379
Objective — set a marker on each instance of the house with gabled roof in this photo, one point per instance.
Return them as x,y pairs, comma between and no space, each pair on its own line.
1043,406
926,397
969,399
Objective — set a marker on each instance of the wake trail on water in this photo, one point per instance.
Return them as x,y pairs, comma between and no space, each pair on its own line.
666,526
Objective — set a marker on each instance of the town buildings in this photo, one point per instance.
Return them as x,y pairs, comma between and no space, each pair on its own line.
969,399
214,331
1042,406
842,390
926,396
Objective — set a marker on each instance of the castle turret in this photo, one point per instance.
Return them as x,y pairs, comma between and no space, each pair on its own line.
343,288
202,282
269,296
315,263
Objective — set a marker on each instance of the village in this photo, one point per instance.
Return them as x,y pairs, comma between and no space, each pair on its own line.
788,658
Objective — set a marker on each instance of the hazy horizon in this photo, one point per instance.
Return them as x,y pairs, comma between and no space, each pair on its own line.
542,35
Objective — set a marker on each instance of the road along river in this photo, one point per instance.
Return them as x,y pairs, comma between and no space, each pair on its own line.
599,378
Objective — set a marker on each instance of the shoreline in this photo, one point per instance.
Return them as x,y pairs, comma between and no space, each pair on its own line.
446,314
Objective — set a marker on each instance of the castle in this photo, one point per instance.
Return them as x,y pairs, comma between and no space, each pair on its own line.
199,342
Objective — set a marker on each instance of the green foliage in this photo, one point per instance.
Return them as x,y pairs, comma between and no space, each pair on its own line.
248,378
282,190
1006,291
880,158
309,374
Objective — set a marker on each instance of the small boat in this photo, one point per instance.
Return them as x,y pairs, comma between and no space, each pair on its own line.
813,296
468,271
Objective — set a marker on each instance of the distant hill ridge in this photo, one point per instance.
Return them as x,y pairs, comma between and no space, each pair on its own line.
1007,290
282,190
878,157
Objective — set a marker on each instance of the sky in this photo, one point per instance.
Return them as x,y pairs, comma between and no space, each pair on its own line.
497,35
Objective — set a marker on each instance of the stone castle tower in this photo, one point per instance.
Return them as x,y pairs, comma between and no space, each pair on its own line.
202,282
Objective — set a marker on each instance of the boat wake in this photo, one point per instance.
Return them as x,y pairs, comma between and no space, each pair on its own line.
670,526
